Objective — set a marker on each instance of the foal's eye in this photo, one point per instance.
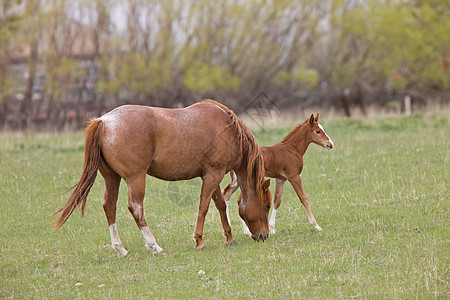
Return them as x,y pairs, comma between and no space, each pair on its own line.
317,131
268,207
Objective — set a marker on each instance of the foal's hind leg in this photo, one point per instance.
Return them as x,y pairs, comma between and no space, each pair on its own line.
296,183
136,192
222,208
112,183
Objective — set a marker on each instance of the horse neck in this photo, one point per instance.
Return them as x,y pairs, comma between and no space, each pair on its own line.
246,183
298,140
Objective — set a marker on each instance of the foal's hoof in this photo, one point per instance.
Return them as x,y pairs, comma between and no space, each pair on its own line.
232,243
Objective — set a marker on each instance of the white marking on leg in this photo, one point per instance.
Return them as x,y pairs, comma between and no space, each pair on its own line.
228,214
272,221
150,241
245,229
313,222
115,240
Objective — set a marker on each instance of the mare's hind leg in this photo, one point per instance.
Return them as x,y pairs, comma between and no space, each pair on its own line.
298,187
276,204
222,208
228,191
136,193
112,183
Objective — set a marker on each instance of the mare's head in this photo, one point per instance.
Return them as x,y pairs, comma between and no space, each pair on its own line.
257,199
256,214
317,135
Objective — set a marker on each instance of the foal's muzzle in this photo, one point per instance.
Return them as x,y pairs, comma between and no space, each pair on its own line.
261,236
329,146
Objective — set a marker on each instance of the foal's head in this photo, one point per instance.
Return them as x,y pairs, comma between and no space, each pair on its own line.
317,135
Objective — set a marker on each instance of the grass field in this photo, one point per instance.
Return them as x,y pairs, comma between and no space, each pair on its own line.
381,196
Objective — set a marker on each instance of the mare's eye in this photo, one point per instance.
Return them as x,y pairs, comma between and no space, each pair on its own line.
317,131
268,207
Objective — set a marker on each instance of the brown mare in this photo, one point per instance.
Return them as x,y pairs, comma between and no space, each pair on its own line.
204,140
284,161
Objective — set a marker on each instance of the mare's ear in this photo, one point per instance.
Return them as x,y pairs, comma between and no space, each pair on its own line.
311,120
266,184
317,118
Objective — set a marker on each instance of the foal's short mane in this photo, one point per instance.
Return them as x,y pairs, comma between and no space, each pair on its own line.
248,144
293,131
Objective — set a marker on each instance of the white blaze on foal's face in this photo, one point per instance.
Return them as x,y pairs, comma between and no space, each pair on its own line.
329,144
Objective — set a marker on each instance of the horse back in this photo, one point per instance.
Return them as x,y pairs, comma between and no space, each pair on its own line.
170,144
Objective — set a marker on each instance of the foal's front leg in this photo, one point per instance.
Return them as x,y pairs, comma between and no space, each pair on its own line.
245,229
228,191
298,187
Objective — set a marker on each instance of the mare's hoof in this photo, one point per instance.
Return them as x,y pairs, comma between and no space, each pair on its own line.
200,247
232,243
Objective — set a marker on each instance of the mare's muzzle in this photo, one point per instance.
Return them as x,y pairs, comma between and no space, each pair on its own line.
261,236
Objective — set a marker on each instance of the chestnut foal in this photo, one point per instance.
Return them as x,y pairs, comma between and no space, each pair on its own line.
284,161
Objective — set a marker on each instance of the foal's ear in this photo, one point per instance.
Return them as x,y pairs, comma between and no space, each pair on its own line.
266,184
317,118
311,119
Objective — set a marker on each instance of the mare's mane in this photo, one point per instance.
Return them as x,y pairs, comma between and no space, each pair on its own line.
248,144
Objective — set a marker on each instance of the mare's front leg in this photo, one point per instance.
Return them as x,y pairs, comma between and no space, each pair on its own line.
211,181
296,182
276,204
136,192
223,210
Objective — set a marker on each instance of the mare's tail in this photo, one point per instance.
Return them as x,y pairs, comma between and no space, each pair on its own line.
92,154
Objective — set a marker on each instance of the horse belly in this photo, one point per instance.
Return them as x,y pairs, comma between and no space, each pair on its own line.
174,170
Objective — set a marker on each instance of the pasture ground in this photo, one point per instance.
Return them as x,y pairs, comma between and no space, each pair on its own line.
381,196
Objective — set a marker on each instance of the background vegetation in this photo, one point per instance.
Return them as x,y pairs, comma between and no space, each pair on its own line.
381,197
64,61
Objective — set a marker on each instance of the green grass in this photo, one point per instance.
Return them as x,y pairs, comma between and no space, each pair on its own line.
381,197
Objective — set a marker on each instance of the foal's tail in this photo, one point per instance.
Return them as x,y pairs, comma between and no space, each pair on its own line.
92,154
